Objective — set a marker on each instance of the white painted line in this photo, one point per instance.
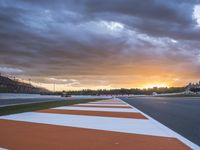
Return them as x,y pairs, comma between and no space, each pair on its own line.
88,104
169,131
97,109
105,103
109,101
125,125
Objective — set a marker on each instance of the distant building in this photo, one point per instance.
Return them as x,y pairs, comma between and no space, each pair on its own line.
154,93
193,88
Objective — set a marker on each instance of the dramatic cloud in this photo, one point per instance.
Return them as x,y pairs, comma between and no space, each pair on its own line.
101,44
10,70
196,14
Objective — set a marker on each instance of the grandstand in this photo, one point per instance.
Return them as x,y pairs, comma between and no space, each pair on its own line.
8,85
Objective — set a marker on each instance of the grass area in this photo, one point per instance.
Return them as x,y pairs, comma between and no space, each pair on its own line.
41,105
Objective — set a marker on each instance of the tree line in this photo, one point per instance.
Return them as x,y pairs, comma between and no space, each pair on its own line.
124,91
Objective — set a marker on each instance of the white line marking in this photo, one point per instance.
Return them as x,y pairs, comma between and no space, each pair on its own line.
109,101
88,104
134,126
97,109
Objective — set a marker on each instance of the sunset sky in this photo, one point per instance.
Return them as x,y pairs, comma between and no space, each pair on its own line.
96,44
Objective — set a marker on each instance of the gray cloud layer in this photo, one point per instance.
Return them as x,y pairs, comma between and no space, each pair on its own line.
80,39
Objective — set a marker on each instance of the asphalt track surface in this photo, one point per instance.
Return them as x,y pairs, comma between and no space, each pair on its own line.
180,114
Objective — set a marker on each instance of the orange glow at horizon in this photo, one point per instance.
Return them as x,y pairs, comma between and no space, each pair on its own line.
127,84
144,81
152,85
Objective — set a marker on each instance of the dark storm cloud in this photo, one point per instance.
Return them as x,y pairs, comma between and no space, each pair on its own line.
154,17
99,38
